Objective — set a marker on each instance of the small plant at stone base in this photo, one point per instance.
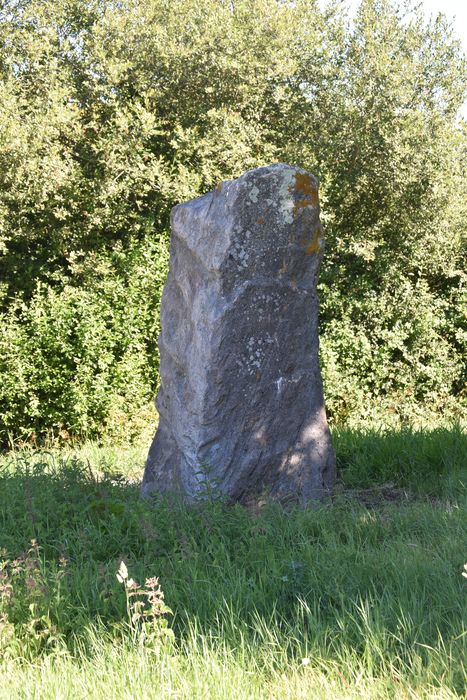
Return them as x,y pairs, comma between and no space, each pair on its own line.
208,485
146,611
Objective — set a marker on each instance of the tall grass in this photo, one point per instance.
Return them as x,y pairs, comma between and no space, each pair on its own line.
362,597
427,462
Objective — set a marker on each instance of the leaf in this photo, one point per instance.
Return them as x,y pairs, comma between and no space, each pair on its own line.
122,573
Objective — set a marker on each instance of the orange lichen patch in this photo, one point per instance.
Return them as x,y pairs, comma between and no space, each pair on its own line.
307,191
314,246
300,204
305,185
260,221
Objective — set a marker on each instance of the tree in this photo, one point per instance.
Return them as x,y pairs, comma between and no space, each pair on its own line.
112,112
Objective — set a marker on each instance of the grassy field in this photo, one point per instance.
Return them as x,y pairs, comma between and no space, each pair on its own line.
362,597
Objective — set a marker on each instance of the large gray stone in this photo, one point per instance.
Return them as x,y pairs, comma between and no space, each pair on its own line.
241,392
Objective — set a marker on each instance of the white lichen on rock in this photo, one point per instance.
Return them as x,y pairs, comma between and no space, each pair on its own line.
285,200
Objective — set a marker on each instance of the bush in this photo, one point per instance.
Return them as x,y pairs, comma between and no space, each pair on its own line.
111,113
74,360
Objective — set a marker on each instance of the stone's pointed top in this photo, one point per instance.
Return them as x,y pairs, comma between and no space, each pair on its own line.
287,179
273,169
241,391
251,224
280,178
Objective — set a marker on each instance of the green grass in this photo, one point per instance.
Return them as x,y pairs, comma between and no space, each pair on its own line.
362,597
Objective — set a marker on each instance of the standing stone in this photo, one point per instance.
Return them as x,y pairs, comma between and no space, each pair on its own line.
241,393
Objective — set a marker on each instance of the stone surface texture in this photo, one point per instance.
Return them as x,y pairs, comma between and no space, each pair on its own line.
241,392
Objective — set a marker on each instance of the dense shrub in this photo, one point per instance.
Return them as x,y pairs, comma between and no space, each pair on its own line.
82,359
110,113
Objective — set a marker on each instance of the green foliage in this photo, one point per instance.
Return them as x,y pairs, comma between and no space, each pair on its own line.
110,113
424,462
83,359
394,276
366,595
